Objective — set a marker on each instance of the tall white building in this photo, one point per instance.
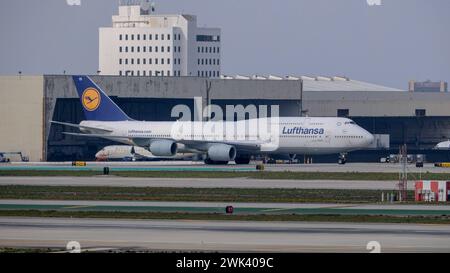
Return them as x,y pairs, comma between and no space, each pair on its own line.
141,43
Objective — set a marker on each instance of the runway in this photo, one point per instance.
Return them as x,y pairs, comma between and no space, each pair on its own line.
219,207
222,236
113,181
200,166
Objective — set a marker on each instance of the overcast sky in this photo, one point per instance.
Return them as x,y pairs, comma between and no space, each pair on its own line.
388,44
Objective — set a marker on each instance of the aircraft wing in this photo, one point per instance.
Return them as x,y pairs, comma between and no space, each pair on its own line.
81,126
247,145
94,135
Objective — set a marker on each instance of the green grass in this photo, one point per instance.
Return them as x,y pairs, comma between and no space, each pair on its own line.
223,217
190,194
237,174
19,250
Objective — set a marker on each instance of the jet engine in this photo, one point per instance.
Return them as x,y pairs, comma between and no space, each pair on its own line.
222,152
163,148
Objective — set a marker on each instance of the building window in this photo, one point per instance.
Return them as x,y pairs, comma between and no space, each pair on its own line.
168,61
144,48
168,73
162,73
421,112
208,38
120,61
150,73
139,37
343,113
132,37
126,37
126,49
150,61
138,61
132,49
120,37
156,49
179,49
156,36
156,60
150,36
168,37
198,73
218,50
126,61
138,73
132,61
138,49
198,61
179,36
144,37
162,49
143,72
218,61
120,49
144,61
120,73
162,61
168,49
150,49
162,36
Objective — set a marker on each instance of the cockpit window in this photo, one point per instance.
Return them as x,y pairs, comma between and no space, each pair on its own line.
350,122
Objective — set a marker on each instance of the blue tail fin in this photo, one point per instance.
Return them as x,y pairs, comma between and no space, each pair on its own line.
96,104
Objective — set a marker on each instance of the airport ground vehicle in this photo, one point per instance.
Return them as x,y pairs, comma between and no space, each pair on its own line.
5,159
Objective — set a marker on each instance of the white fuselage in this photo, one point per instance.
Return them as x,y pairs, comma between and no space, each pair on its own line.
445,145
292,135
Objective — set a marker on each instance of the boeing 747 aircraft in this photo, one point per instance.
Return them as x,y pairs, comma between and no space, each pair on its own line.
293,135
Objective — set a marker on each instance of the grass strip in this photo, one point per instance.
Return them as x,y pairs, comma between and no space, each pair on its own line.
288,175
223,217
191,194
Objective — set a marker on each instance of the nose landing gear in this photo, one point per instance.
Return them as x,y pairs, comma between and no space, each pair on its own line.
342,158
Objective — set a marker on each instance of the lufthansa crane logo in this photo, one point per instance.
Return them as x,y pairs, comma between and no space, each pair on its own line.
91,99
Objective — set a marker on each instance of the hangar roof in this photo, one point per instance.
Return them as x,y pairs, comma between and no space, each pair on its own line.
320,83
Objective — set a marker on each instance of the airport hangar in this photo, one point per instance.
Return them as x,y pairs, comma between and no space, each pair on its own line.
28,103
